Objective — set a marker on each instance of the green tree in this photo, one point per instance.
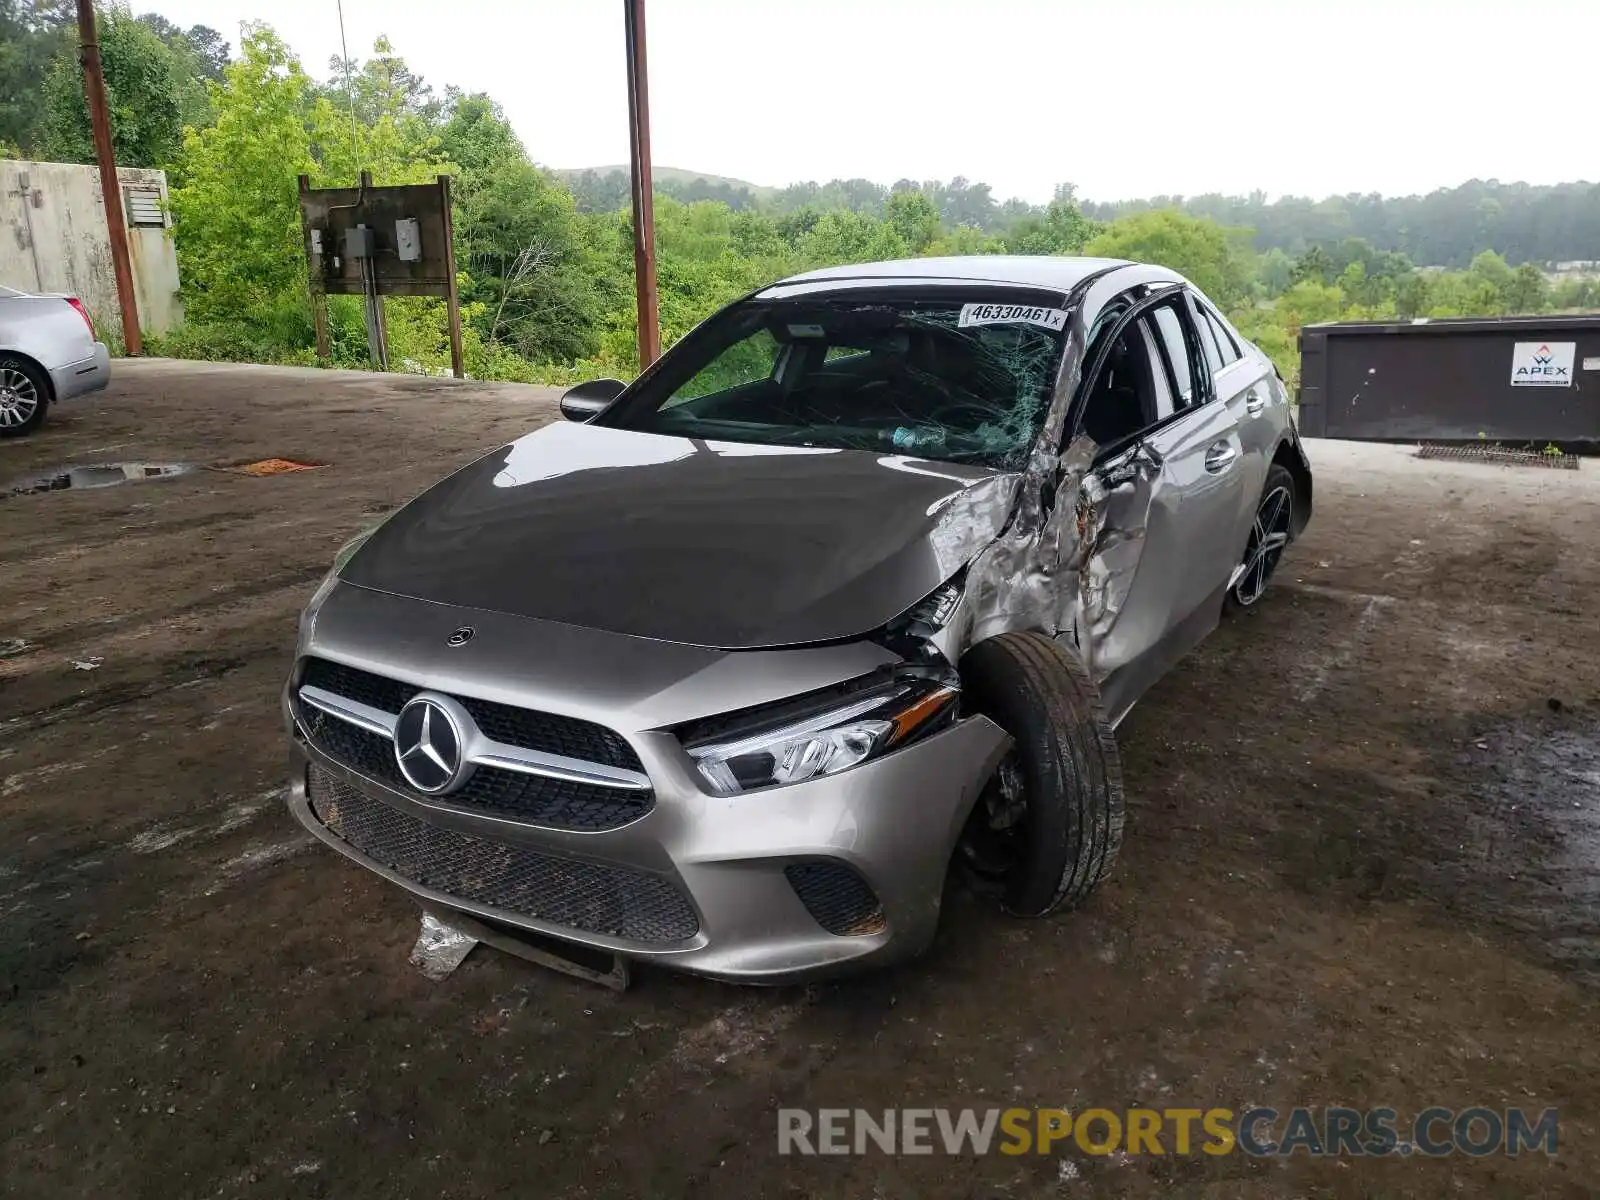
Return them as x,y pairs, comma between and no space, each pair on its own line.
1316,265
1489,274
842,237
1529,291
476,136
199,56
1200,250
517,235
144,91
912,216
32,34
240,252
964,239
1273,272
394,134
1411,297
1060,229
1574,294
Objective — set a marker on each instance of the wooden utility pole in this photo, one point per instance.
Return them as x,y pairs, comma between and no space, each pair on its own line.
458,366
94,88
644,221
319,295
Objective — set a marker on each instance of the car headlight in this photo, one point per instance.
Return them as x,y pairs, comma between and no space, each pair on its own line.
817,735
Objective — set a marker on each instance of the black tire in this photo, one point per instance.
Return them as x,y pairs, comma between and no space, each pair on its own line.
1071,815
14,366
1247,592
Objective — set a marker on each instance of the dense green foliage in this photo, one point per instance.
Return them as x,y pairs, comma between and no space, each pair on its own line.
32,33
546,261
156,76
1445,228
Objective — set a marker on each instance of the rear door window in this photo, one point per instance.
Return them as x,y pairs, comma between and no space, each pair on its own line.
1208,341
1225,343
1170,327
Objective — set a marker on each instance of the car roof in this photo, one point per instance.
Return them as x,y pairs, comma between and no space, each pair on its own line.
1025,270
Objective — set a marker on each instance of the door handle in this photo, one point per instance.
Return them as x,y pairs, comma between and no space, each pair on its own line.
1220,457
1255,403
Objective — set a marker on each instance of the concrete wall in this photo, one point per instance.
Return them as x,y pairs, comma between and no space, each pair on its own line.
53,239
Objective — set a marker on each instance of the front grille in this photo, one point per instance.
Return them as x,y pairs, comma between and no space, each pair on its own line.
550,732
570,893
536,799
836,897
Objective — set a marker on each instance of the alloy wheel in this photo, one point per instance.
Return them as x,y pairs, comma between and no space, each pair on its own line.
19,399
1268,536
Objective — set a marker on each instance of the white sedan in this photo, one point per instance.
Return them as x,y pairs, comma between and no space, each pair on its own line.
48,352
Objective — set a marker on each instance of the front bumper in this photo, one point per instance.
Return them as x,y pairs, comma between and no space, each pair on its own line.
893,822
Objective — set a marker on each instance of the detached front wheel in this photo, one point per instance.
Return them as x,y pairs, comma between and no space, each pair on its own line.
1048,826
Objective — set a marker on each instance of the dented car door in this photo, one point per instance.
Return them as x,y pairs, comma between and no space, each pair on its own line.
1244,383
1162,513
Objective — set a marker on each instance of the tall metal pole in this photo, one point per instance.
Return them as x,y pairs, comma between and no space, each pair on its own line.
94,88
644,220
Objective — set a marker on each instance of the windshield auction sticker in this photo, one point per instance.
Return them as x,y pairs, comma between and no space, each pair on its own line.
1011,314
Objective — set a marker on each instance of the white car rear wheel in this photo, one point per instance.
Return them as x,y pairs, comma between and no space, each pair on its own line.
24,396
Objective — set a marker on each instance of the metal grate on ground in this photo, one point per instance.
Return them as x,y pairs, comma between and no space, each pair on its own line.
1482,452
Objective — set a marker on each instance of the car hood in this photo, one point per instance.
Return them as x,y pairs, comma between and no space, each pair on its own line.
709,543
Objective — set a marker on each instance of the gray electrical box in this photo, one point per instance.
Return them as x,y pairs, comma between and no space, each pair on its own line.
358,242
408,240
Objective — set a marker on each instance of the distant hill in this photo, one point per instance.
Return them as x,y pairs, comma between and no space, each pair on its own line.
604,189
672,175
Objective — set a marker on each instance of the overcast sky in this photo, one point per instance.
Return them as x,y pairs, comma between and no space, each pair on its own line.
1123,97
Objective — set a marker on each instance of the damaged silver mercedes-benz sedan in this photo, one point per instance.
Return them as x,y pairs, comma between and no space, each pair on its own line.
850,588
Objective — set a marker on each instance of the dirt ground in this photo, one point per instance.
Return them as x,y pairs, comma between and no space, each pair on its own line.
1360,866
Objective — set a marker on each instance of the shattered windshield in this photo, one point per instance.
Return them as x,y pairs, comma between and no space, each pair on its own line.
941,379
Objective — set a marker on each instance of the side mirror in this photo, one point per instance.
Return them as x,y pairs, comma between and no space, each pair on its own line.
582,402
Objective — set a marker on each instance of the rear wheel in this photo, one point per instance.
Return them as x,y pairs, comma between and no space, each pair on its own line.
1269,536
1049,824
24,396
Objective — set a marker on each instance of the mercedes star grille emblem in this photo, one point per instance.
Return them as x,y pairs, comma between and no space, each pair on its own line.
430,743
460,637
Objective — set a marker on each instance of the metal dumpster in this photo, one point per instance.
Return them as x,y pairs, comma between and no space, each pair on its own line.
1508,379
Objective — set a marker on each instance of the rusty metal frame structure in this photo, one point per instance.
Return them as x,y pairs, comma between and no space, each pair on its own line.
331,214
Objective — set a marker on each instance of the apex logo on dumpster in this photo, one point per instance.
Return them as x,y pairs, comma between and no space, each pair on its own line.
1542,364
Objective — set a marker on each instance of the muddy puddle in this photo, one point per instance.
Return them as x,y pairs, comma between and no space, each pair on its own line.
89,476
